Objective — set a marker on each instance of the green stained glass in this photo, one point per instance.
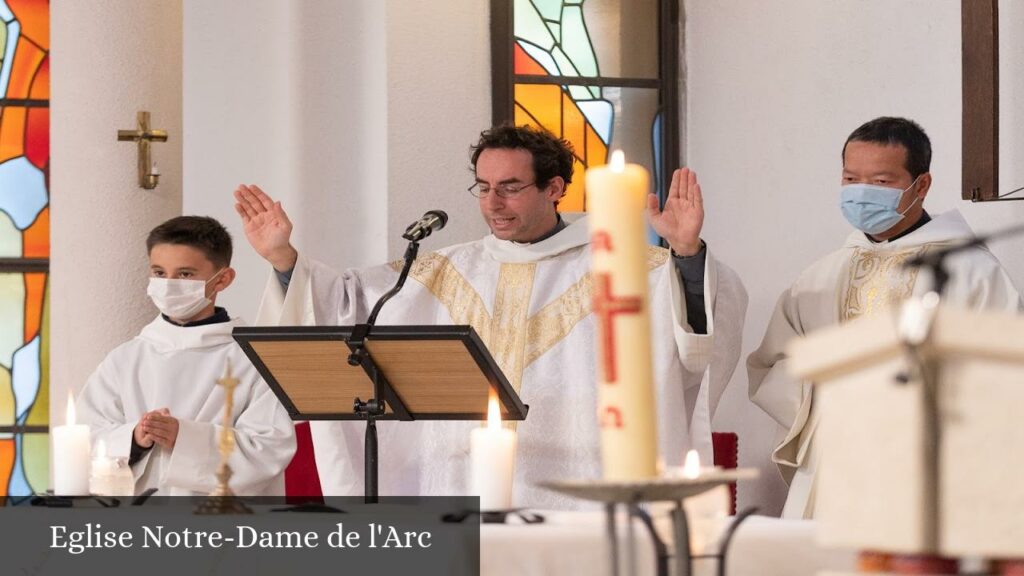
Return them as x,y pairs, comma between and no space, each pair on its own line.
576,42
556,30
549,9
582,93
10,238
35,459
12,311
3,40
6,398
530,26
564,64
39,414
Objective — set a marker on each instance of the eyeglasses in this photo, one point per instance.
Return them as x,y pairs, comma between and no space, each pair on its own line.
481,190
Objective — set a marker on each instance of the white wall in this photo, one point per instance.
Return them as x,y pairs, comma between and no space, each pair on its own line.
774,89
110,60
356,114
239,117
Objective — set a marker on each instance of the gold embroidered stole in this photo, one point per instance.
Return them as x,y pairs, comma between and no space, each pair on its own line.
514,338
877,280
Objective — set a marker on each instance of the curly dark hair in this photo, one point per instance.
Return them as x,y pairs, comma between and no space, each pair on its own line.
552,156
200,232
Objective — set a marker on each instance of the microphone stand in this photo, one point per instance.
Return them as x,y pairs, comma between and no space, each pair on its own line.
916,319
936,261
374,408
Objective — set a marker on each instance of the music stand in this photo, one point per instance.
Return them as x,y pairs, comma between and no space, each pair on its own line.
419,372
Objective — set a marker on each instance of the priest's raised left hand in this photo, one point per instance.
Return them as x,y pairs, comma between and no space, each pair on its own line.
161,427
682,218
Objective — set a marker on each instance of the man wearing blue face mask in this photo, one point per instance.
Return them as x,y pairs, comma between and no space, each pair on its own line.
885,181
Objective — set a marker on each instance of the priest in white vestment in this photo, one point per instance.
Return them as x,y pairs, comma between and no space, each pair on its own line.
885,180
526,290
156,399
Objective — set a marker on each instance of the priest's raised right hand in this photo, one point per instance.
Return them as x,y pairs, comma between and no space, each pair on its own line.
267,227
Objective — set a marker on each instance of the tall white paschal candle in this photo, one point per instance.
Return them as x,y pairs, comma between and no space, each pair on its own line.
492,455
71,453
616,199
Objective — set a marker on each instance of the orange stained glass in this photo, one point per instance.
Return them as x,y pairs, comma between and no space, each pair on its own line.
6,463
12,133
35,240
573,124
523,118
34,17
37,137
525,64
573,200
35,286
543,102
27,59
41,84
597,150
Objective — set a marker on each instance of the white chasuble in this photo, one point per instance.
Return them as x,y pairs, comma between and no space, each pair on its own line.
530,304
174,367
860,278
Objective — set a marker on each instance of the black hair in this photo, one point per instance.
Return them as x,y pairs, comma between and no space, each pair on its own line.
897,131
200,232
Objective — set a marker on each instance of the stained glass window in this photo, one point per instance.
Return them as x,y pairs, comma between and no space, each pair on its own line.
599,73
24,246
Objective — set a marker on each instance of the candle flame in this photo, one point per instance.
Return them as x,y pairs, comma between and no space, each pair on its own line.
691,467
69,418
618,163
101,449
493,412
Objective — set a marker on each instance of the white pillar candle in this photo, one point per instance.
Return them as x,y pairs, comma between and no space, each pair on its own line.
616,198
71,451
492,453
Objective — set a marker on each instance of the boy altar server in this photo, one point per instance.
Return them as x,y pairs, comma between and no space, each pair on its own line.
155,399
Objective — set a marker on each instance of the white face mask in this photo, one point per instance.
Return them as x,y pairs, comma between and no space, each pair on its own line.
179,299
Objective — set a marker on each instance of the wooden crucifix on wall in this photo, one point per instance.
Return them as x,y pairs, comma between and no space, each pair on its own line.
980,46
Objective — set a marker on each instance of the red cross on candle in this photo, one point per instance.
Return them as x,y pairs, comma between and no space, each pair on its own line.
606,307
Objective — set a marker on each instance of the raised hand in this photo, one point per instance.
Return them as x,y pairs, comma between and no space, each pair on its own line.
682,218
267,227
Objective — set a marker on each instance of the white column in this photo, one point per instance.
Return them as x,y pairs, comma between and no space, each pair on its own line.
111,59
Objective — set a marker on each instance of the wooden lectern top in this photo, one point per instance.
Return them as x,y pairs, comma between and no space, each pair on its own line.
438,372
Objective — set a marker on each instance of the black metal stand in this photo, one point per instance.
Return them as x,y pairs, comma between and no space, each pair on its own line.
375,408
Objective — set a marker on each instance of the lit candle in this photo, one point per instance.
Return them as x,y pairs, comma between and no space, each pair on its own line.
707,513
616,198
492,452
71,456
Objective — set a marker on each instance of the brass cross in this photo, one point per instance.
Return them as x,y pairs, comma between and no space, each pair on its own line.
149,177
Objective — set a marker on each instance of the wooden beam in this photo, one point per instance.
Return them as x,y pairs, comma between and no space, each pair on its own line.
980,45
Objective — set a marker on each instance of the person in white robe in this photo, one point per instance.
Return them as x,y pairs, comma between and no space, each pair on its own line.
156,399
526,290
885,180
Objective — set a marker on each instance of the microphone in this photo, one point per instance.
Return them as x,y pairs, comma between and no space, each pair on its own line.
938,256
430,222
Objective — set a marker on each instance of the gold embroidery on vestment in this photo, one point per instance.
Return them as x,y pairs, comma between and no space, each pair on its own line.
877,280
514,339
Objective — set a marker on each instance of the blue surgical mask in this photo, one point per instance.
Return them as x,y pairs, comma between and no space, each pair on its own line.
872,209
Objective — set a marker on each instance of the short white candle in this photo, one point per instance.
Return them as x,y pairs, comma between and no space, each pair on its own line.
71,465
492,453
708,512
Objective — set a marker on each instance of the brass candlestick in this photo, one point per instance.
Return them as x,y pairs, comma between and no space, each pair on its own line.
223,500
